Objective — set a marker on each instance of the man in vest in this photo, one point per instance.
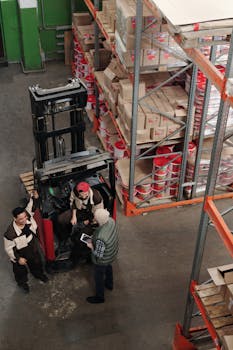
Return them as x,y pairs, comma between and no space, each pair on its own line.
104,247
21,245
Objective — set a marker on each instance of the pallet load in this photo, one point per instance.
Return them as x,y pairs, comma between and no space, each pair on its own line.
213,105
158,48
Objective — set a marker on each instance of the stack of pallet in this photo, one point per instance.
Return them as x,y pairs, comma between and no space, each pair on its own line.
216,300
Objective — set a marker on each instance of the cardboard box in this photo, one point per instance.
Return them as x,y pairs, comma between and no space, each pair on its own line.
115,91
129,41
128,116
113,73
172,128
104,57
81,19
222,275
126,89
162,104
150,57
227,342
158,133
120,104
126,57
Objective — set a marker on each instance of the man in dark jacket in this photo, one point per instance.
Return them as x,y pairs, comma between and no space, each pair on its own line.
21,245
104,247
83,202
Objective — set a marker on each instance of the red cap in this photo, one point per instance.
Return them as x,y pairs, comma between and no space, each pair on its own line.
82,186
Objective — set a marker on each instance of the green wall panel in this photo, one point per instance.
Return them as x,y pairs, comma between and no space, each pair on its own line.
30,40
56,13
10,26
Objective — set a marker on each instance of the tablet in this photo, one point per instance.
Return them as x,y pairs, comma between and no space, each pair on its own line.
85,238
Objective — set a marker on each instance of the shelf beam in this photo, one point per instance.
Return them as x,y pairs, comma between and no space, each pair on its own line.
219,223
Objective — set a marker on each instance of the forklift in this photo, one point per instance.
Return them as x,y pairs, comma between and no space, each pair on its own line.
61,161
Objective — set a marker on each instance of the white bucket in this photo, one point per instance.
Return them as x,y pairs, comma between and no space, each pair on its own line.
119,150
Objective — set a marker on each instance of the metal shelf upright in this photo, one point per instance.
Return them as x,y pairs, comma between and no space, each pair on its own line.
209,211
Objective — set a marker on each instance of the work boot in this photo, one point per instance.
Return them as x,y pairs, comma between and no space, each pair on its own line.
95,300
24,287
43,279
108,286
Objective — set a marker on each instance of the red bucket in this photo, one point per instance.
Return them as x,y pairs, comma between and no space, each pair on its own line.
119,149
160,165
176,163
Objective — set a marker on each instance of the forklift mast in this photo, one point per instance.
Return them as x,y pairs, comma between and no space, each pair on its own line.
47,106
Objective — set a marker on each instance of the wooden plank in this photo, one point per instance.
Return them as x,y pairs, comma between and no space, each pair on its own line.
29,188
217,310
208,292
228,330
213,299
28,182
219,322
30,173
205,286
68,47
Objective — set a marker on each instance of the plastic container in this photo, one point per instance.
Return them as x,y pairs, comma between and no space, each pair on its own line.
160,177
175,164
192,149
173,174
165,149
142,194
158,193
160,165
89,81
119,150
174,190
159,186
144,188
91,102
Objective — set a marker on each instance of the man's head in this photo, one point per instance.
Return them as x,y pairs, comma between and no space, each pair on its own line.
20,216
101,216
83,190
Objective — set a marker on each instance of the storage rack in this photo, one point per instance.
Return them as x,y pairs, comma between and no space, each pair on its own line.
212,74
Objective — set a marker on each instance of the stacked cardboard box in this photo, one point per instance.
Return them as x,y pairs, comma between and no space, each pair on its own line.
110,86
157,46
225,175
160,114
109,13
213,105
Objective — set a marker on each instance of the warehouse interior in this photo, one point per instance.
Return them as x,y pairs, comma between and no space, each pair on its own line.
159,249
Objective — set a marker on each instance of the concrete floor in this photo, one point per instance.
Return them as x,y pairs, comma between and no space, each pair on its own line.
151,273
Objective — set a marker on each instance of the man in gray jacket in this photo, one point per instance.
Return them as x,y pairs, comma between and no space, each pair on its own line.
104,247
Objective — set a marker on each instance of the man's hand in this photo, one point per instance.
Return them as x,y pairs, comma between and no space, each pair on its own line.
86,222
90,244
73,220
35,194
22,261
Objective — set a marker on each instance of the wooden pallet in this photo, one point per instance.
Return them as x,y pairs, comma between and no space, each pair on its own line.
27,180
212,298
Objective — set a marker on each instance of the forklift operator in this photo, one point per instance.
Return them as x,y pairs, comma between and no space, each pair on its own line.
84,201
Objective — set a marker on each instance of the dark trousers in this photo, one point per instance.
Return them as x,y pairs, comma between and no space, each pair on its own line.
103,277
34,264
